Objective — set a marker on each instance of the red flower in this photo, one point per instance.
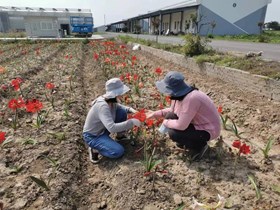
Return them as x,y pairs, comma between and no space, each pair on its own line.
121,77
160,106
158,71
147,173
107,60
2,137
135,77
2,70
34,106
245,149
141,85
220,109
236,144
150,122
16,83
133,58
167,99
16,103
4,87
140,115
128,77
95,56
50,85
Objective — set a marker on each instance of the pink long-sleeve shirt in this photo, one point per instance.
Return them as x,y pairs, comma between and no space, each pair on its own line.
196,108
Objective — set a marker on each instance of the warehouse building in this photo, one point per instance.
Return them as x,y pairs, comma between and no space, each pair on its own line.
217,17
39,22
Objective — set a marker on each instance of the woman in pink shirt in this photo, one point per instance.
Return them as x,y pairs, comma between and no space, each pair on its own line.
192,119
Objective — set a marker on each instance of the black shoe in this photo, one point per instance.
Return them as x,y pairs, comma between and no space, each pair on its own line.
94,155
197,156
122,138
180,146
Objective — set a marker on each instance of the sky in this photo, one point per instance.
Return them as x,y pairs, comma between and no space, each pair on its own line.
109,11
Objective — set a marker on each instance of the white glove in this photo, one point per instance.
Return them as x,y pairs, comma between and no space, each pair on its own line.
136,122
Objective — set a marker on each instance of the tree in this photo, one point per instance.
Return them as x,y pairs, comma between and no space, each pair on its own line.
274,25
196,20
137,28
261,24
213,25
187,25
156,24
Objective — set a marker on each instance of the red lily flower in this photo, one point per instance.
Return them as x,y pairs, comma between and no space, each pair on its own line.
2,70
50,85
2,137
220,109
167,99
150,122
16,103
245,149
16,83
135,77
34,106
158,71
236,144
133,58
95,56
141,116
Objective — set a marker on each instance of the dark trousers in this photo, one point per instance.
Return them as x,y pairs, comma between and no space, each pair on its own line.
190,138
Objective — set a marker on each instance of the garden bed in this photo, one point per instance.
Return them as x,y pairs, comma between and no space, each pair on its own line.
55,153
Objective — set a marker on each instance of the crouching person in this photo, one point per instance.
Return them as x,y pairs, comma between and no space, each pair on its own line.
107,116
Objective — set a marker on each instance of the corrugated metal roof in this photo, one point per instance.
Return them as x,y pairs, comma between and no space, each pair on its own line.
42,9
182,4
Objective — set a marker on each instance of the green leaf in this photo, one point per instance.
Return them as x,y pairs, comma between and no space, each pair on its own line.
29,141
40,182
268,147
154,164
16,169
276,188
257,189
52,161
182,207
7,141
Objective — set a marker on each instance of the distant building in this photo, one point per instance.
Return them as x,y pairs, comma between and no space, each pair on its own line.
39,22
217,17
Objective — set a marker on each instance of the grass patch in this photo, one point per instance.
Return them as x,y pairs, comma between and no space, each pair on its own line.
266,36
253,65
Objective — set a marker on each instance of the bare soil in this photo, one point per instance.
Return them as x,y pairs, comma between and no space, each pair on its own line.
76,183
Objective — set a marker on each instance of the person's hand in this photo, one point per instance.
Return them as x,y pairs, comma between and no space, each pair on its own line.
136,122
132,110
149,114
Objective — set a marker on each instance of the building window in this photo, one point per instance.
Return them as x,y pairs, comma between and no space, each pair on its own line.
46,25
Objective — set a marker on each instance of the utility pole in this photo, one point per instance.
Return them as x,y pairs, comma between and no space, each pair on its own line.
104,19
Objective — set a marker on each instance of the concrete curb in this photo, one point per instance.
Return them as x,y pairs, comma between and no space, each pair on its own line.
261,85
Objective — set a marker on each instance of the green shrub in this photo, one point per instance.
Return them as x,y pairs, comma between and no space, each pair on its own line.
194,45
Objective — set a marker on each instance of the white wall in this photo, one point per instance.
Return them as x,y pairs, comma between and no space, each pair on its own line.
41,27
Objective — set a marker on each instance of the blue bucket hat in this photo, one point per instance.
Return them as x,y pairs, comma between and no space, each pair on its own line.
173,84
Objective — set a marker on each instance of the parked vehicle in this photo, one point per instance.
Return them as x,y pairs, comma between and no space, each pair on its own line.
81,26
